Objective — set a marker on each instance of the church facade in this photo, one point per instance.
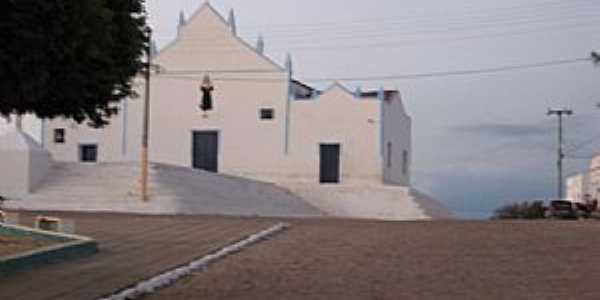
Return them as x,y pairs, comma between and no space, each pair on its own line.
258,122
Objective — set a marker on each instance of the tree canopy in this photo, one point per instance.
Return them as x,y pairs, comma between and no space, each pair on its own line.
69,58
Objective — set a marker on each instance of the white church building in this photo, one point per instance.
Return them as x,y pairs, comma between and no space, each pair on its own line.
262,123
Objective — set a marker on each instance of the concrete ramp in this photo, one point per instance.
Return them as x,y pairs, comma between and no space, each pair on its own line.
113,187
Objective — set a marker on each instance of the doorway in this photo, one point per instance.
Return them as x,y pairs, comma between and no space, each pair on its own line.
88,153
205,151
329,163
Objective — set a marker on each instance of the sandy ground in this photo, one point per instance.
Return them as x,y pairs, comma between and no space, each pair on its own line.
10,245
337,259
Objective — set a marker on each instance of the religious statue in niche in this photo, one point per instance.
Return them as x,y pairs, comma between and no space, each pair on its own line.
206,104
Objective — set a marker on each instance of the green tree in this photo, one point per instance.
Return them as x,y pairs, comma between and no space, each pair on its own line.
69,58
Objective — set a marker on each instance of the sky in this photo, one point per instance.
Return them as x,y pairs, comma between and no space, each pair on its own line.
480,140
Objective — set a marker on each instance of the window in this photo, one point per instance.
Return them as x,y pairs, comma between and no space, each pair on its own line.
267,114
59,135
404,162
88,153
389,155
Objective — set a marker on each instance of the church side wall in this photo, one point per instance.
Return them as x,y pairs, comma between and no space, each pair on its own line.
108,139
397,145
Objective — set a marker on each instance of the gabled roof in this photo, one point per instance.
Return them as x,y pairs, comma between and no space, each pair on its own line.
19,140
302,90
339,85
206,7
388,94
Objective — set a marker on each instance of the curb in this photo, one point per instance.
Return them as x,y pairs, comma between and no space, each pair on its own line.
170,277
71,246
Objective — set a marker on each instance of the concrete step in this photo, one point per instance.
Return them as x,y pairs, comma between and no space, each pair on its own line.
114,187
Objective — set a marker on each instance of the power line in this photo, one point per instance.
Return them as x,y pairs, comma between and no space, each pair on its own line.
459,72
536,8
583,144
445,25
196,79
395,44
442,26
370,34
305,46
190,73
378,34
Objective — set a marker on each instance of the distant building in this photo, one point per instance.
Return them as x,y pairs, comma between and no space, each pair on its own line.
585,186
577,188
261,123
31,126
593,189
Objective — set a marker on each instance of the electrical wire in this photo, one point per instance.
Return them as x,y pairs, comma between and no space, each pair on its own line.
458,72
535,8
172,74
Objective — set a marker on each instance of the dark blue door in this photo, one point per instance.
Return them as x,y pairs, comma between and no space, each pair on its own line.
206,151
330,163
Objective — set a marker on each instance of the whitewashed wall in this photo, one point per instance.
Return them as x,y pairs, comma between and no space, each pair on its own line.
31,125
397,135
24,164
594,178
338,117
576,187
245,82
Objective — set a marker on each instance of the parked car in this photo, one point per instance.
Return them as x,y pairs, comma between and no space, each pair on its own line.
562,209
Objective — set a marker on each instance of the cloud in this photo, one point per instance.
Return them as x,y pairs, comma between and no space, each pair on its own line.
478,192
505,130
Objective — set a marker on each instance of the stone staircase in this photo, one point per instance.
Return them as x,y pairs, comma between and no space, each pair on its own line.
367,200
113,187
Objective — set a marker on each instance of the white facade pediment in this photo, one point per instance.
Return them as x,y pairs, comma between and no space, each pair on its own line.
206,43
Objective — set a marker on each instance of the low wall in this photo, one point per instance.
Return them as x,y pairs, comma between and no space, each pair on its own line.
69,247
24,163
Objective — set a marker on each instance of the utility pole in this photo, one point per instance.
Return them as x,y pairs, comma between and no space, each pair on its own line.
561,155
146,124
19,123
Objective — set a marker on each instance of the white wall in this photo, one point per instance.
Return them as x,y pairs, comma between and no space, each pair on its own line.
24,164
397,135
31,125
594,178
108,139
576,188
336,117
244,82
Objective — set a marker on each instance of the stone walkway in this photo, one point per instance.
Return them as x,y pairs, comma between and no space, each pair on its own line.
350,259
132,248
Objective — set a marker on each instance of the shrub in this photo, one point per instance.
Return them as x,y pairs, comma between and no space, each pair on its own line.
525,210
